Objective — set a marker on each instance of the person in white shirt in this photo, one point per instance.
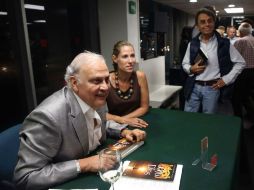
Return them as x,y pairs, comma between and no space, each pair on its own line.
231,34
224,64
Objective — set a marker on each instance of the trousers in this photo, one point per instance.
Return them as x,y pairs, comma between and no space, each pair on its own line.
202,96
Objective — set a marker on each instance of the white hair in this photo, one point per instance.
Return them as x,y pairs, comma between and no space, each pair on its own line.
245,29
74,67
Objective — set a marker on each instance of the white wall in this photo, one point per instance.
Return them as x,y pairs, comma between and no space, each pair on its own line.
112,26
133,29
116,24
154,69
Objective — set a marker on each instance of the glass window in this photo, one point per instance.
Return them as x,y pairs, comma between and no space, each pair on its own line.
38,40
13,98
58,31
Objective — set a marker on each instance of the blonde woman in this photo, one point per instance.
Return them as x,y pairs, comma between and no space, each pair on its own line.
128,98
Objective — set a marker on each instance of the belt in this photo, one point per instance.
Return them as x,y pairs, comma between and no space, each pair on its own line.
206,83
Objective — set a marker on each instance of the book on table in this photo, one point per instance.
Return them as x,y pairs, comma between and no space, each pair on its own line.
151,170
202,57
125,147
149,176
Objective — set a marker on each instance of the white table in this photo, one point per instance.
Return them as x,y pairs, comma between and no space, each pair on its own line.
158,94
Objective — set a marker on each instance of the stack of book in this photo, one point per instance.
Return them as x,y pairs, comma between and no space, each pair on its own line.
125,147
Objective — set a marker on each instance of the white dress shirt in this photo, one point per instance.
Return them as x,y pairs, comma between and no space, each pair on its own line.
94,132
212,70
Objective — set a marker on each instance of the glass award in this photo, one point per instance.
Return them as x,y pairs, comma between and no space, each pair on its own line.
204,156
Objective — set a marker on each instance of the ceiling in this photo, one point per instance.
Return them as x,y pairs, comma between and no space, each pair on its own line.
192,8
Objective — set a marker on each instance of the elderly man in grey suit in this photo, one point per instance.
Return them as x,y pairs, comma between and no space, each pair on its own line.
59,134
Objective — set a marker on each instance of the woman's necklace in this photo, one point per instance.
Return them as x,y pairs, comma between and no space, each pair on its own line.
128,93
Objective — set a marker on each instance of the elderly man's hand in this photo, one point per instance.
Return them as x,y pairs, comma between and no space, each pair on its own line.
133,135
89,164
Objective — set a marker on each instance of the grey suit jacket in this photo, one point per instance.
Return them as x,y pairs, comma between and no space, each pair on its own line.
53,136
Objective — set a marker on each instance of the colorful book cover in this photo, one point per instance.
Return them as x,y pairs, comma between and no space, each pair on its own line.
125,147
151,170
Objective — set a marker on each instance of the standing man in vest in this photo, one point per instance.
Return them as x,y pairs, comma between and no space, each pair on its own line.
224,64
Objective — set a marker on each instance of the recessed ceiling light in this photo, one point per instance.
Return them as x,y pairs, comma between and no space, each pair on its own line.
40,21
234,10
231,5
193,1
35,7
4,69
3,13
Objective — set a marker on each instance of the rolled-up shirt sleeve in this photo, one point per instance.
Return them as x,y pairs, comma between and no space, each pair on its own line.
239,65
186,61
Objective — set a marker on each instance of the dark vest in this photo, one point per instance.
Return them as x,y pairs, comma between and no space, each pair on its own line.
225,63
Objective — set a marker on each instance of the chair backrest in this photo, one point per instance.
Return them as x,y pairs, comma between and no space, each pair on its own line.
9,146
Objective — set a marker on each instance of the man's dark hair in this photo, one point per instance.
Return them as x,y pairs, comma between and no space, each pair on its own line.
205,11
211,8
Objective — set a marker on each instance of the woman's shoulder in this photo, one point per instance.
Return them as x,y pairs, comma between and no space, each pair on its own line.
140,74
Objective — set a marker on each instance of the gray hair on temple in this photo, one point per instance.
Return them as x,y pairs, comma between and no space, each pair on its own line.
74,67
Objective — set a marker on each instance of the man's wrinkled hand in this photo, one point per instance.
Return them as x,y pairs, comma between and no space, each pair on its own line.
89,164
134,135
